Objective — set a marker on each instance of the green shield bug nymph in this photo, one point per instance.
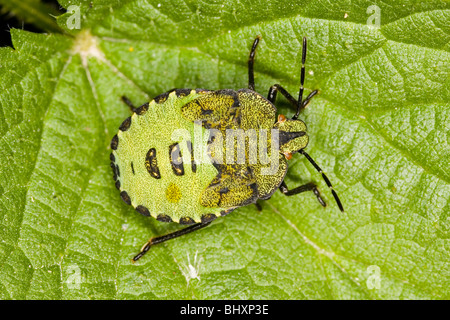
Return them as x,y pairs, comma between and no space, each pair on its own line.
176,159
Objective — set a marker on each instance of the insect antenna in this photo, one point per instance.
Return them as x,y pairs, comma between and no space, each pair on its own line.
336,198
301,104
302,81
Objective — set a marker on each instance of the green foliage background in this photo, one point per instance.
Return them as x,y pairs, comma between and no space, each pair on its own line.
379,128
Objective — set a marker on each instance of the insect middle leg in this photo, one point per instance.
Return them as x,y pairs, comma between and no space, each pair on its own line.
258,206
169,236
311,186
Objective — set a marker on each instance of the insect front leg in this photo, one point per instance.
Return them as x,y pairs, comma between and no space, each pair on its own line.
273,90
311,186
251,60
272,96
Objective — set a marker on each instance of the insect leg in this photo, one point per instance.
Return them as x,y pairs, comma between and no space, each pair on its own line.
272,96
325,178
311,186
306,101
169,236
258,206
128,103
273,90
251,59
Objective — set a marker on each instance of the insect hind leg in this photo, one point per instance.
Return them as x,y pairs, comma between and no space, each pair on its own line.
169,236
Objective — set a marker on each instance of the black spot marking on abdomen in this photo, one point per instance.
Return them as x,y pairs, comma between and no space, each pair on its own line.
143,210
114,142
152,164
142,109
125,124
191,150
125,197
176,159
164,218
186,220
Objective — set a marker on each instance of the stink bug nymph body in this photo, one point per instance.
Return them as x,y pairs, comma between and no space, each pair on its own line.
176,159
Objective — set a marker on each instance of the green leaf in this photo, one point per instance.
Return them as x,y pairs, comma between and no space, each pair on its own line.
34,12
379,128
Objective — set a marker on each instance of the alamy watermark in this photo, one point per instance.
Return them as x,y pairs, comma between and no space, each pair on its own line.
74,277
240,147
374,20
374,279
74,21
